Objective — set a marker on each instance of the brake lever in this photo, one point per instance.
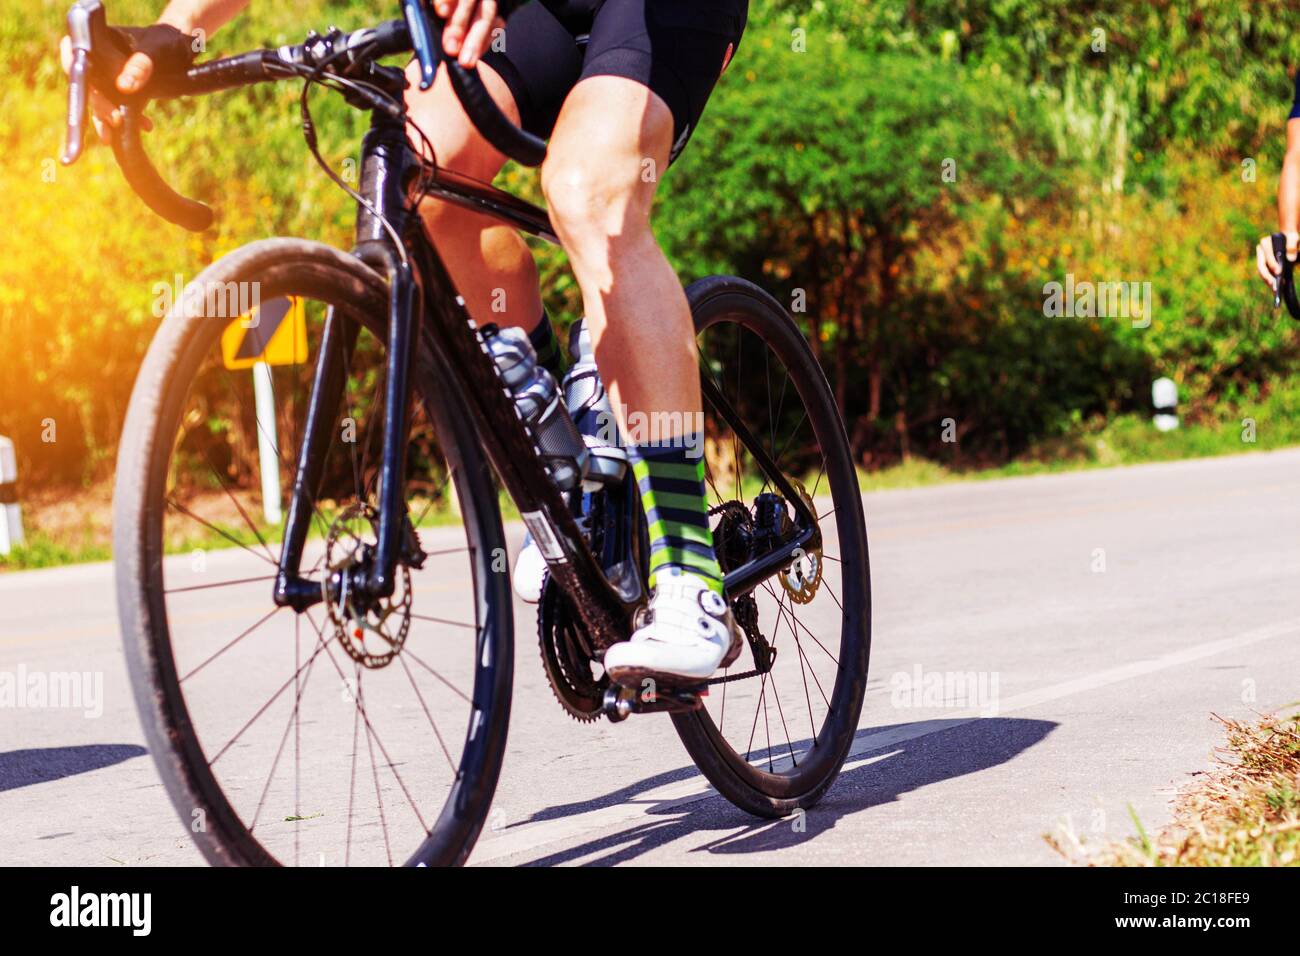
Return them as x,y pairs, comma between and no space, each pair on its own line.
422,40
79,33
97,54
1284,289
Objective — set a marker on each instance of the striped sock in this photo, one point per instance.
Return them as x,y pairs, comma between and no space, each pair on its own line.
672,494
547,346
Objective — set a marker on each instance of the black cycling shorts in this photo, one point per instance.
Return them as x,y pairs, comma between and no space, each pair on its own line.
677,48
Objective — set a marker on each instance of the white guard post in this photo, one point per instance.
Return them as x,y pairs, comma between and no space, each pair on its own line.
268,443
11,524
1164,396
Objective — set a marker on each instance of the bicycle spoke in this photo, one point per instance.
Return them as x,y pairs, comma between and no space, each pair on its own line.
261,710
443,620
240,508
407,652
425,707
269,614
374,772
290,724
370,730
207,524
219,584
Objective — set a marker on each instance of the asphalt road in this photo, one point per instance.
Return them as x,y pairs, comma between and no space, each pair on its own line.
1099,618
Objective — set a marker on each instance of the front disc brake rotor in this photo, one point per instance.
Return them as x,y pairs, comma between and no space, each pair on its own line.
371,632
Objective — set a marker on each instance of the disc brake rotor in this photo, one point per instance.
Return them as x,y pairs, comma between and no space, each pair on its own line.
803,577
371,632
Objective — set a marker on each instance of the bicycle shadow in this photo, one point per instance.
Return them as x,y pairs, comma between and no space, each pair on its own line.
877,776
23,768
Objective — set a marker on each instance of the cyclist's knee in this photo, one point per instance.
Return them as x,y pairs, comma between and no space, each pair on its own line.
592,203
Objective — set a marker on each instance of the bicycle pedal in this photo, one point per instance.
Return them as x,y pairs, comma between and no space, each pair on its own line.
621,702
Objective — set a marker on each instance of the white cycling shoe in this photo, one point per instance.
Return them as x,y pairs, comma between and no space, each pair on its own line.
685,634
530,571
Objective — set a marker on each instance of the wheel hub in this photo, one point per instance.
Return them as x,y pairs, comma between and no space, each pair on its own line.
371,630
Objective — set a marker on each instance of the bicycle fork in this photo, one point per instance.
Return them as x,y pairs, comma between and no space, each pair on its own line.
375,578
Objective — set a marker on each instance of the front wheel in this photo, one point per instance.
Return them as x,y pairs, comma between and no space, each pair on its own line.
777,725
328,736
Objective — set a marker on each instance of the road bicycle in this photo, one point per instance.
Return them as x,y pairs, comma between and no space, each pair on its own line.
335,686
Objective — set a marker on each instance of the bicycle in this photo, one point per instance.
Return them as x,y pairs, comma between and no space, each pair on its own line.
398,431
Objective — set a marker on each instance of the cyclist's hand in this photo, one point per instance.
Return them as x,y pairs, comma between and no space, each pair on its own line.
158,49
1266,262
469,26
134,75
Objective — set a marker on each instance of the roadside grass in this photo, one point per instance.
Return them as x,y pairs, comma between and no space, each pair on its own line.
1269,423
1243,812
43,551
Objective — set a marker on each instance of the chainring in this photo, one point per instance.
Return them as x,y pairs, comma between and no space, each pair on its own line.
567,658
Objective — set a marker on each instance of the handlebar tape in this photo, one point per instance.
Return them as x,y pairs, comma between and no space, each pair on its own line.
518,144
144,179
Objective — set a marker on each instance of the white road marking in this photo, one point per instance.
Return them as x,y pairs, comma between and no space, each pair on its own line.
654,805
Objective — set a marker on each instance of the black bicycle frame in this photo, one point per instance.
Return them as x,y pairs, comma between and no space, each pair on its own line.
424,309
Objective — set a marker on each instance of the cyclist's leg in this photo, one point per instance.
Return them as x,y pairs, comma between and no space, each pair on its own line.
481,255
648,73
529,71
610,132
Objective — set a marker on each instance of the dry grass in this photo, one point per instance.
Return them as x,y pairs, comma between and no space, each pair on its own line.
1243,812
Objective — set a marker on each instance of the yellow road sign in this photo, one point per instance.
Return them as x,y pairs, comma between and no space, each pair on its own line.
275,333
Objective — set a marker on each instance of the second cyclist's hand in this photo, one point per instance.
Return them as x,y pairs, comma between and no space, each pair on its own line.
1266,262
468,30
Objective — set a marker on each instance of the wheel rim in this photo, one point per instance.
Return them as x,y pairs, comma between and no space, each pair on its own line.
784,732
304,754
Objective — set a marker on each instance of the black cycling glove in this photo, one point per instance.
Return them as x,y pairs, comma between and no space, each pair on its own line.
171,50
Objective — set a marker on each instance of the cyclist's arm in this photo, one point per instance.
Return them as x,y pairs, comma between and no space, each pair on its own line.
1288,187
1288,201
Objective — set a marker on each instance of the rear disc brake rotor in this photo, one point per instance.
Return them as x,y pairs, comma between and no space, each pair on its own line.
803,577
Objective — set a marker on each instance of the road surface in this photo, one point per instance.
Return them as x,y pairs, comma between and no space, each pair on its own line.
1108,614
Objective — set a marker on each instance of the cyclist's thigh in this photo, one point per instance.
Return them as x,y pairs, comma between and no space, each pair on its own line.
457,144
676,48
539,59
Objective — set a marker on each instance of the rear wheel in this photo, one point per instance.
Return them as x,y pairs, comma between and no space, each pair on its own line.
330,736
777,724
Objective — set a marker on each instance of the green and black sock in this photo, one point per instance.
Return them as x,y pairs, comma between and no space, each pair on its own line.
671,480
547,346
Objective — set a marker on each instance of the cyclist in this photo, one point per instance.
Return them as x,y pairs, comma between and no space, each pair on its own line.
1288,201
618,86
